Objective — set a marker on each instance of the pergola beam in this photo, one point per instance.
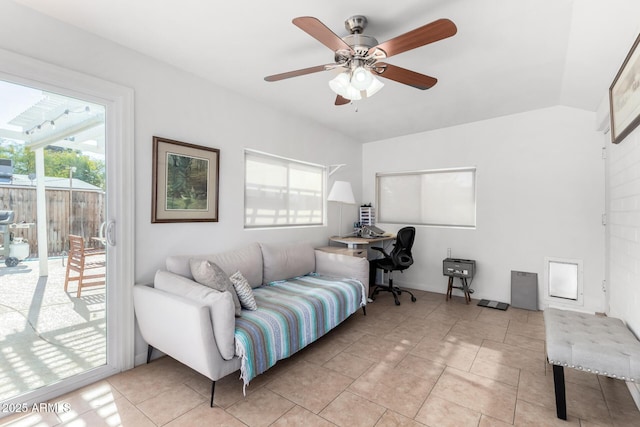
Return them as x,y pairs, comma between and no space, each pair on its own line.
12,134
66,132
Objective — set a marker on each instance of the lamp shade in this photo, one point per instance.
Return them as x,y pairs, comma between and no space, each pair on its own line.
341,192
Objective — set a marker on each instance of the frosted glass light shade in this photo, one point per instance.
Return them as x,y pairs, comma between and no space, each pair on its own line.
340,83
361,78
374,86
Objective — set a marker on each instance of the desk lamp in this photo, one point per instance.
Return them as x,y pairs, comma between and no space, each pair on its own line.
341,192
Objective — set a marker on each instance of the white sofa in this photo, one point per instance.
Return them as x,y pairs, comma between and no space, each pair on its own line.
195,326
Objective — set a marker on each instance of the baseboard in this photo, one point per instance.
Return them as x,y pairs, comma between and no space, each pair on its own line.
634,388
140,359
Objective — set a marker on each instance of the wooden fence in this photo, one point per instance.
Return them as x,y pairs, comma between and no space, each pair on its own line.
83,217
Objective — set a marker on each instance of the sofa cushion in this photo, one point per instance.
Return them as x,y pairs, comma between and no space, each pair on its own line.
210,274
220,305
247,259
284,261
244,291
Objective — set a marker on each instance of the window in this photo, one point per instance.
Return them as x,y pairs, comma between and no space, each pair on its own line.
444,197
282,192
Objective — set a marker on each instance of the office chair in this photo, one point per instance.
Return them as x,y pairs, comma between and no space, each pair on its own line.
399,259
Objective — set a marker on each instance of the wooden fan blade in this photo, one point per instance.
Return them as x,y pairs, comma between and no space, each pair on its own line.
321,32
296,73
437,30
341,101
407,77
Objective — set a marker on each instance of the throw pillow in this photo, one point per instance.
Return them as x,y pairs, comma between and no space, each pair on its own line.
244,291
209,274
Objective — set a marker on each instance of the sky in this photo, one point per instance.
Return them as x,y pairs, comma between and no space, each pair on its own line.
14,100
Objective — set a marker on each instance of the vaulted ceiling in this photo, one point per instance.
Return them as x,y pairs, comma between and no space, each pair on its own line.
508,56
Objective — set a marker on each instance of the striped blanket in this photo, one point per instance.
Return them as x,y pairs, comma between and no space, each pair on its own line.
292,314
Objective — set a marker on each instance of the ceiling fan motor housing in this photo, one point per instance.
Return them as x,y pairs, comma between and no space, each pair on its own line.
359,43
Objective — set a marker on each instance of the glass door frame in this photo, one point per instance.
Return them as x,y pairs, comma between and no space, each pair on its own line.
119,106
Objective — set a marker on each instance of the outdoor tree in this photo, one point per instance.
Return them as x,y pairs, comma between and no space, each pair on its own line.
57,162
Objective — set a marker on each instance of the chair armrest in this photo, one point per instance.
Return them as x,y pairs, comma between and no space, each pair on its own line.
379,249
94,251
181,328
339,265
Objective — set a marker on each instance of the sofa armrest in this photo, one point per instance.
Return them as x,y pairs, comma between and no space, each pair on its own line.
339,265
181,328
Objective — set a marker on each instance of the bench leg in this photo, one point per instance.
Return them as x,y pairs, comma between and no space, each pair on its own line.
561,401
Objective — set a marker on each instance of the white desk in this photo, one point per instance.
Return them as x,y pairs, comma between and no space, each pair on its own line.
353,242
356,246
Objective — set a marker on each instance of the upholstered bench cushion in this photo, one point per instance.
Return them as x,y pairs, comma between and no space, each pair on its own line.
598,344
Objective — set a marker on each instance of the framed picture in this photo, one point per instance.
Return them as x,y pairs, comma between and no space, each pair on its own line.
185,182
624,96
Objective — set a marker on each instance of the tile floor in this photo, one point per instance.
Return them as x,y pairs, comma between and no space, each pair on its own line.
429,363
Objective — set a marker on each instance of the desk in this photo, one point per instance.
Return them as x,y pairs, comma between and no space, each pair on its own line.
362,253
353,242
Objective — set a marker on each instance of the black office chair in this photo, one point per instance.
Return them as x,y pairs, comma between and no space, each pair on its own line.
399,259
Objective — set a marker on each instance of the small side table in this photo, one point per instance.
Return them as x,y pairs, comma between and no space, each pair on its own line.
463,269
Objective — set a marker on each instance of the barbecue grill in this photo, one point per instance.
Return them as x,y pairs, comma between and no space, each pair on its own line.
6,218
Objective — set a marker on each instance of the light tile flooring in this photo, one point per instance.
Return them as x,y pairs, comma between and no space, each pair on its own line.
429,363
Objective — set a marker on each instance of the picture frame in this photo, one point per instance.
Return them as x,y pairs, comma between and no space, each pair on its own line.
624,96
185,182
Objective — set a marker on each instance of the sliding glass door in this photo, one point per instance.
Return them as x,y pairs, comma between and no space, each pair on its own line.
65,310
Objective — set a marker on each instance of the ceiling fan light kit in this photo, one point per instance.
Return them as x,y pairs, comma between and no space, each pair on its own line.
355,85
359,56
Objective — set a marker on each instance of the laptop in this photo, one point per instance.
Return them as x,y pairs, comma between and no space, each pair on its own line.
372,231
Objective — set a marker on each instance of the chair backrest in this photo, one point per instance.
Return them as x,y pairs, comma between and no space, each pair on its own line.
401,254
76,251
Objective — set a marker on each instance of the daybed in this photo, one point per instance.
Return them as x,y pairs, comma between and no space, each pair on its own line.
301,294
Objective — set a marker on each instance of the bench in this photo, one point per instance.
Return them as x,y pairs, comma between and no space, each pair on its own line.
586,342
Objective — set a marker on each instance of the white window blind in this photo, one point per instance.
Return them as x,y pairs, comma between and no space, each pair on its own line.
444,197
282,192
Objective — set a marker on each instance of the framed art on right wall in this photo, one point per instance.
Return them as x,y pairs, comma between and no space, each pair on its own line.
624,96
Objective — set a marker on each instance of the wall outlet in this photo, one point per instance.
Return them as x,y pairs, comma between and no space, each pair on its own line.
448,252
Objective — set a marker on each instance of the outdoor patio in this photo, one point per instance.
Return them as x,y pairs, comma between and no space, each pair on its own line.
47,334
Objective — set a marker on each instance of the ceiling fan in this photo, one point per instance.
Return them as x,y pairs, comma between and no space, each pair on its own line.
362,56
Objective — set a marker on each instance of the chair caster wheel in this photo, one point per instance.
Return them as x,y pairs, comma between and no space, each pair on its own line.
397,302
11,261
399,292
413,299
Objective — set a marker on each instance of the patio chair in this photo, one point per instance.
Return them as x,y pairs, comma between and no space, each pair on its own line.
82,261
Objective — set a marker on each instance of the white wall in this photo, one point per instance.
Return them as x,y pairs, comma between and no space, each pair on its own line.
540,192
623,193
177,105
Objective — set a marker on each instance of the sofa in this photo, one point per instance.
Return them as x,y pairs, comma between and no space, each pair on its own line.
199,326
